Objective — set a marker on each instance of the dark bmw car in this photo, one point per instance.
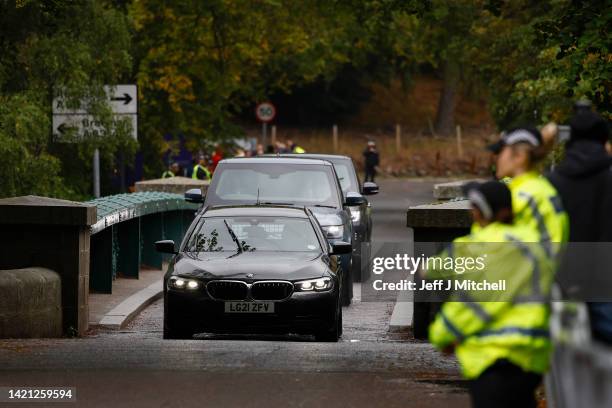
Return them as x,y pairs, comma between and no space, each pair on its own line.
289,181
361,214
254,269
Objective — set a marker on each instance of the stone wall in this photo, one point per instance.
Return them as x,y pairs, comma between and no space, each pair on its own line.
30,303
54,234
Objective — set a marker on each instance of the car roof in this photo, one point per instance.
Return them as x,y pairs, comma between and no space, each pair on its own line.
319,156
275,160
256,211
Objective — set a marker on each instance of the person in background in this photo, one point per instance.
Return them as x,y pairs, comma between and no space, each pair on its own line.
172,171
280,147
216,158
584,182
294,147
501,342
200,170
371,161
535,201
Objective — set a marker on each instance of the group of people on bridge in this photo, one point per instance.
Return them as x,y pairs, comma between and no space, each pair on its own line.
523,222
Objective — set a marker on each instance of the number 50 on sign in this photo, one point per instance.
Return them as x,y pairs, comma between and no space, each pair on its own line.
265,112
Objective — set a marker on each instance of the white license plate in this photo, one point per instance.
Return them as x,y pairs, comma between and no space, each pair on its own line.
249,307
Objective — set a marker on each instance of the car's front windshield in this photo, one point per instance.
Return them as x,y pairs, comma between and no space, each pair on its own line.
249,234
276,183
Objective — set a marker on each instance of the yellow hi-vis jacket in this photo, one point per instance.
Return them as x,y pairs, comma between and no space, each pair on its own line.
487,325
194,174
537,205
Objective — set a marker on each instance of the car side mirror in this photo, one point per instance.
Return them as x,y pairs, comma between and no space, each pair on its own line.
194,196
370,188
341,247
353,198
166,246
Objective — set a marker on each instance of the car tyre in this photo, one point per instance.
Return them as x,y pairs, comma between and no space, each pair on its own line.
333,334
356,270
347,288
421,320
180,334
176,333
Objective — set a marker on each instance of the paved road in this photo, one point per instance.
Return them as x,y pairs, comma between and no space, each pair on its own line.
136,368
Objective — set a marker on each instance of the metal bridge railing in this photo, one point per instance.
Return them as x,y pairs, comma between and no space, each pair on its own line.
581,369
127,226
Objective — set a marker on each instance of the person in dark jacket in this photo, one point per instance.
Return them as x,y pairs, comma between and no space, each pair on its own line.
584,182
372,160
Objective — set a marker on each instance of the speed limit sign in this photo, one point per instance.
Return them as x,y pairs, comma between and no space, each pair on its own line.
265,112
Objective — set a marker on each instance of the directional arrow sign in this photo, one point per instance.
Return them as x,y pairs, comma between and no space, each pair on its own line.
64,128
83,124
126,98
123,98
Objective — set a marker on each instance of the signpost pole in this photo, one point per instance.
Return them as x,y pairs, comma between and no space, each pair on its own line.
459,142
265,113
335,137
96,173
398,138
264,134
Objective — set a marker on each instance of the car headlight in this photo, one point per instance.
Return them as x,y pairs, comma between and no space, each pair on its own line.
355,214
318,285
182,283
334,231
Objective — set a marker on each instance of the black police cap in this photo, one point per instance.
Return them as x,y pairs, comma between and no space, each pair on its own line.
489,197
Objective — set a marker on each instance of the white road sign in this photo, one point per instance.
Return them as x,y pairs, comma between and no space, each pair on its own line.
63,124
265,112
123,100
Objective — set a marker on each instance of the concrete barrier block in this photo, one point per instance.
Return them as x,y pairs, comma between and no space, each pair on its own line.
45,211
30,303
176,185
450,214
450,190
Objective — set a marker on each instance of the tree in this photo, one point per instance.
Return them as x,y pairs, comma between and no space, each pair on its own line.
67,49
438,34
202,63
537,58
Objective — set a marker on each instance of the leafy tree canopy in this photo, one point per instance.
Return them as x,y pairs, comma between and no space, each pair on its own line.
66,49
201,66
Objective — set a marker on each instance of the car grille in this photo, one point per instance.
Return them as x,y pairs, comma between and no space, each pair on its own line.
227,290
273,290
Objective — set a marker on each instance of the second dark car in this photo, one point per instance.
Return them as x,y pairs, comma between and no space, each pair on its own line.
361,212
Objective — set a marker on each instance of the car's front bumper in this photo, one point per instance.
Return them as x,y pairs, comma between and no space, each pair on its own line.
302,313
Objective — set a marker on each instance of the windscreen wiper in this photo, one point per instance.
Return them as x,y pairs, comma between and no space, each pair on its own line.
233,235
324,206
274,203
